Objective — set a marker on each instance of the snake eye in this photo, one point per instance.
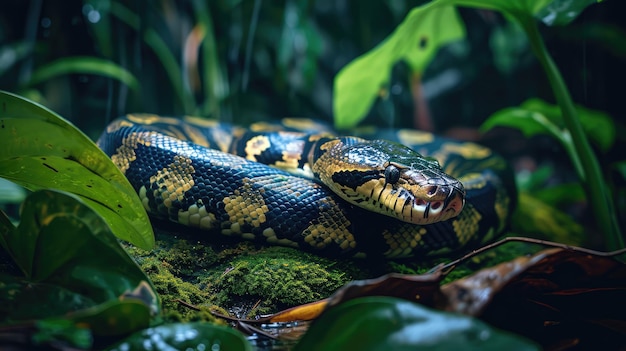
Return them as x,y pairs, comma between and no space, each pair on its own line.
392,174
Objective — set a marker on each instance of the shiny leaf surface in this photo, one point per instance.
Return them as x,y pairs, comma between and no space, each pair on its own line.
39,149
383,323
188,336
562,12
70,260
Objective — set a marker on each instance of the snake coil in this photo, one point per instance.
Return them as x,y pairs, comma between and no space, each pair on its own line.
184,170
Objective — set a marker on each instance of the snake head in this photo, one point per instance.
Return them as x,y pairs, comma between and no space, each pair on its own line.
389,178
420,192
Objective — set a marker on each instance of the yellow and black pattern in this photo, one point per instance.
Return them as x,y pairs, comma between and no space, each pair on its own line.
185,170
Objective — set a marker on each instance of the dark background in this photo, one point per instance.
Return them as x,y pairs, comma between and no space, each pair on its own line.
287,66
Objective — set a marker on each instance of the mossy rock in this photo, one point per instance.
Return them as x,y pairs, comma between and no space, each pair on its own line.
277,277
238,278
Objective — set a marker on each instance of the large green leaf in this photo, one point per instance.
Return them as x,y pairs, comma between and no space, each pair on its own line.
384,323
415,40
535,117
188,336
426,29
39,149
76,274
598,126
64,245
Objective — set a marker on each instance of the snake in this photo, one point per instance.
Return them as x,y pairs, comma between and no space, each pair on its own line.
393,193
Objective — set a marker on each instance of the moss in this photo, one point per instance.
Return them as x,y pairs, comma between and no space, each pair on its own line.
238,278
275,278
187,259
245,280
172,290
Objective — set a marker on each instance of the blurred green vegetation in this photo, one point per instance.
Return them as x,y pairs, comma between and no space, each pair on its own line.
251,60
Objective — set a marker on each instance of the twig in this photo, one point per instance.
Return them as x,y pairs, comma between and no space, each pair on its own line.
448,267
187,304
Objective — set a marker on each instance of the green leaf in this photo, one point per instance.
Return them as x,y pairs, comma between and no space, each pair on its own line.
551,12
113,318
78,280
529,122
528,180
384,323
562,12
69,252
188,336
84,65
49,331
39,149
561,195
535,116
416,40
436,23
23,300
598,126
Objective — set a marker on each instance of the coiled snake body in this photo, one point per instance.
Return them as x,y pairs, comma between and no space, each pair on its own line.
385,198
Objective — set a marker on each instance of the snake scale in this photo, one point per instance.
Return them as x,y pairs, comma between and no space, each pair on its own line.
367,197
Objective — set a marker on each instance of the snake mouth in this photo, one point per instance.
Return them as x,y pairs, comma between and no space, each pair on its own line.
429,203
427,212
424,204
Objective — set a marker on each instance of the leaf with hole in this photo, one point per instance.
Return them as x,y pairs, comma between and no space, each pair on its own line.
415,40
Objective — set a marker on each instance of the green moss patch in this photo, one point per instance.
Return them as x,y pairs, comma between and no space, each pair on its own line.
238,278
278,277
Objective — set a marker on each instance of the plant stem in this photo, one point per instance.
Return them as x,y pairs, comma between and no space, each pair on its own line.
600,200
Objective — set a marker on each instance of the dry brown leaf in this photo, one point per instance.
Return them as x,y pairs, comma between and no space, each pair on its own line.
556,297
304,312
422,288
